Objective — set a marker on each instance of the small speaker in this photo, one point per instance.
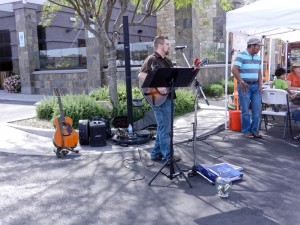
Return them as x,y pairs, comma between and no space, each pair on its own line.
84,132
97,133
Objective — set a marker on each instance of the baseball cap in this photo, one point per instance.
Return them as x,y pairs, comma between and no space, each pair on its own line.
295,64
254,41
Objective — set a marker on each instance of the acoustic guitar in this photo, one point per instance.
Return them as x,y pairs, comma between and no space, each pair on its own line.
155,98
65,137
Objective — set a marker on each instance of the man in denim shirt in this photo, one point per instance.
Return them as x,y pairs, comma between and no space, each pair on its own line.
247,70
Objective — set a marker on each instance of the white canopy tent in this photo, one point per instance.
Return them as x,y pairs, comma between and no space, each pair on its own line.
264,18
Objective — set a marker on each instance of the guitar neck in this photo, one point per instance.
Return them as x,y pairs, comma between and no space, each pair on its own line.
61,111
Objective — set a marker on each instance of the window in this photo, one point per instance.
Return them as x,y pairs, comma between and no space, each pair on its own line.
5,51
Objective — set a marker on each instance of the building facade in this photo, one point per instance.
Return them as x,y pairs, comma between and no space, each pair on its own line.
40,53
27,48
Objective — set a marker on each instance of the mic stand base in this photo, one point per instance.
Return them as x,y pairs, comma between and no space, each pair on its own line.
171,162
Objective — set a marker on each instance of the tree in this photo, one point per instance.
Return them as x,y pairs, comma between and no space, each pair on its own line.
97,14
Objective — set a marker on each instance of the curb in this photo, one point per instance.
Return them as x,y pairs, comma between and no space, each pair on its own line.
33,130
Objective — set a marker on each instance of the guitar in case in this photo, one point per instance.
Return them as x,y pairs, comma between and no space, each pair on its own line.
84,132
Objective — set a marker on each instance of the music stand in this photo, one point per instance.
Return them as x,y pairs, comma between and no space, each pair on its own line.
170,77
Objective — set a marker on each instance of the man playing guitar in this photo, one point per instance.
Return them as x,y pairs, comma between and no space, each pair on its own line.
162,109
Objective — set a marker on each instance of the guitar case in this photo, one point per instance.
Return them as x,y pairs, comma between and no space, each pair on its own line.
84,132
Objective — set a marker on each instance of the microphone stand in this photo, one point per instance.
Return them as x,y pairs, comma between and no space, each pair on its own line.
194,170
187,62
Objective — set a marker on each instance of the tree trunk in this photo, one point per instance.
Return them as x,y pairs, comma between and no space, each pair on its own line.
112,75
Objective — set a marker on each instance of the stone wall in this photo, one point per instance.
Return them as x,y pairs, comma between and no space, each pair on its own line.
76,81
166,22
201,29
166,26
68,81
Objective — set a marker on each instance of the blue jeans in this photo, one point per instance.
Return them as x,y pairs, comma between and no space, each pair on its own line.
162,142
250,123
296,116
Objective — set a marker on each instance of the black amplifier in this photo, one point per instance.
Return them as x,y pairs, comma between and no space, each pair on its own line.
84,132
97,133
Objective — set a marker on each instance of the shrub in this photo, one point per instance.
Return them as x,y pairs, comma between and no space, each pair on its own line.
100,94
216,90
12,84
80,107
45,108
230,85
206,89
121,108
221,82
184,102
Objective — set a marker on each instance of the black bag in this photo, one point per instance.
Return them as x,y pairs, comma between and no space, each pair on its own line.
107,124
84,132
120,122
122,138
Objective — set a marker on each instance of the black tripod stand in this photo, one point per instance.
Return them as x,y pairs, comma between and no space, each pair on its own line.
170,77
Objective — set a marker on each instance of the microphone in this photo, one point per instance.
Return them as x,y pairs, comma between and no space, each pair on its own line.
180,47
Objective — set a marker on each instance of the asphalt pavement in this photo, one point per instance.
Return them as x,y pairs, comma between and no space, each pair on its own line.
110,185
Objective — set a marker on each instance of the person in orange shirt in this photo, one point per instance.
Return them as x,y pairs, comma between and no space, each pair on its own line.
293,78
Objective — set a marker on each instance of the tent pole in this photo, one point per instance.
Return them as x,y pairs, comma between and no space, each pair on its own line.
262,54
226,77
270,58
286,55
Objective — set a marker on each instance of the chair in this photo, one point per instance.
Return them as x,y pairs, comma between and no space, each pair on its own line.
276,97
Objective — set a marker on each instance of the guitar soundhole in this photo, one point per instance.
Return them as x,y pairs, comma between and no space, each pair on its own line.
67,127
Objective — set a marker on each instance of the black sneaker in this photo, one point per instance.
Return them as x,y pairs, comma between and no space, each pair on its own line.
156,158
257,135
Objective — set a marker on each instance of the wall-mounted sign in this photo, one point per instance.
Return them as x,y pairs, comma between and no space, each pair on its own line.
21,39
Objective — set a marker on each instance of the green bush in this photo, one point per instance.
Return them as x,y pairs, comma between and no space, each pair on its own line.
82,106
77,107
44,109
184,102
216,90
221,82
206,89
100,94
121,108
230,87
